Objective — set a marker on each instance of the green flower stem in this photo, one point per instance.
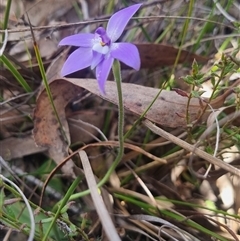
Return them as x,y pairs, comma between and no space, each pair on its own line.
117,76
61,206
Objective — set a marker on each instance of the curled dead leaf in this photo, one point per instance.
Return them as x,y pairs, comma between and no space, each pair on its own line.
46,127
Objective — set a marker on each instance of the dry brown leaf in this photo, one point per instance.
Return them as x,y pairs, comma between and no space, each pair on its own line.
155,55
46,127
168,110
47,130
12,148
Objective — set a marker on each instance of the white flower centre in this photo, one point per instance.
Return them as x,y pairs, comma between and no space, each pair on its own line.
100,48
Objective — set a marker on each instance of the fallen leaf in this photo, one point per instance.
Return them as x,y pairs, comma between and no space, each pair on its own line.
168,110
155,55
12,148
47,132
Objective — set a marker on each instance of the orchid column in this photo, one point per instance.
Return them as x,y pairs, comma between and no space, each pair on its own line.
99,50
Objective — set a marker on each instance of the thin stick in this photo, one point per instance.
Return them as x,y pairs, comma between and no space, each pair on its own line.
101,209
191,148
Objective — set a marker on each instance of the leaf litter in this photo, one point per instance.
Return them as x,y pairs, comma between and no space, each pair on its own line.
169,111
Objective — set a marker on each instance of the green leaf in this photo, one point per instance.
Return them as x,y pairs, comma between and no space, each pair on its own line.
15,73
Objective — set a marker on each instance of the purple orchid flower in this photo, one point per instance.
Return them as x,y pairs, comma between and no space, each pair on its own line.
99,50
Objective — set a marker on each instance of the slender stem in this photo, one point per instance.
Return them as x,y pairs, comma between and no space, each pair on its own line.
184,33
48,90
61,206
6,16
45,81
117,76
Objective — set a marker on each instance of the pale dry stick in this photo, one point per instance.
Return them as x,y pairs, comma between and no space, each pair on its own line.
126,145
92,126
101,209
223,12
142,184
14,98
157,142
200,140
4,42
224,36
160,203
101,20
191,148
7,235
171,236
150,165
217,125
237,6
55,27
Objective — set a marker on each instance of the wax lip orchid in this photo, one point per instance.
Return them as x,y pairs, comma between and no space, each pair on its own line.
99,50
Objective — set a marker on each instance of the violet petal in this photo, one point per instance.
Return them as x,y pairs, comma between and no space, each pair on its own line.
102,72
101,32
79,59
126,53
97,58
119,20
79,40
